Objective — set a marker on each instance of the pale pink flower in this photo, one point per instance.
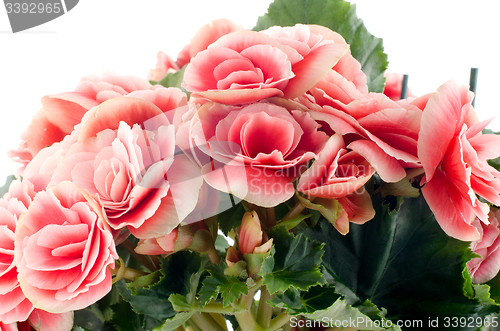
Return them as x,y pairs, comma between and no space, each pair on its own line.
247,66
313,51
486,267
336,173
454,155
14,306
124,156
381,130
61,112
15,309
205,36
63,249
257,149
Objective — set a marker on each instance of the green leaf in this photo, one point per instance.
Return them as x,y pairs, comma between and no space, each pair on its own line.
402,261
175,322
296,301
339,16
173,79
293,262
177,271
292,223
231,218
125,319
343,315
229,287
221,244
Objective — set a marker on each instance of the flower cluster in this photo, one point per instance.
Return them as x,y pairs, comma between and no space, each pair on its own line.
278,115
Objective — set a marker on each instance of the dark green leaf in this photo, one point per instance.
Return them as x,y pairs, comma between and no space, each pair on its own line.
402,261
229,287
339,16
296,301
231,218
294,263
125,319
177,271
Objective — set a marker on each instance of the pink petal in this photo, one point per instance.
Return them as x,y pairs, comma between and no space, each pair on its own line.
310,70
209,33
451,211
110,113
44,321
240,96
442,119
358,206
185,180
46,299
65,114
386,166
14,306
260,186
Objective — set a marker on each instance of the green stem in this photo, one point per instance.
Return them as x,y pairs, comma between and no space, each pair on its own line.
218,308
279,321
270,217
247,322
287,327
245,318
213,256
128,273
294,212
193,325
206,322
265,311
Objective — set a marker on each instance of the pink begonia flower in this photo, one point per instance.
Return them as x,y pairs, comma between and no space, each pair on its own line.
312,49
336,173
454,155
125,157
247,66
61,112
205,36
208,205
383,131
486,267
63,248
41,168
357,208
394,85
15,308
253,152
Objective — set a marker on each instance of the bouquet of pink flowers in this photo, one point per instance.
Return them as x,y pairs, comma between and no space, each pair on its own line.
262,181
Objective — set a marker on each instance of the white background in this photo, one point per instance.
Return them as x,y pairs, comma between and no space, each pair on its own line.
431,40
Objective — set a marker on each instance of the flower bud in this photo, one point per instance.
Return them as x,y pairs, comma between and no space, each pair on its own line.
250,233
